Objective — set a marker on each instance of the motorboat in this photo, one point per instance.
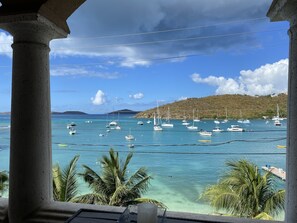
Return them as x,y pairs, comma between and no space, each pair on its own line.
113,123
217,129
235,128
71,125
118,127
167,125
72,131
216,121
192,127
205,133
129,137
140,123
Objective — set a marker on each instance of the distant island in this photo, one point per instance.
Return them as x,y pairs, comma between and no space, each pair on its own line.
233,106
69,113
124,111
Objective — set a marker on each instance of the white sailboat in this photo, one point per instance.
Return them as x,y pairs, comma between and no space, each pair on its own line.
197,119
277,118
226,118
184,121
192,127
129,137
167,124
157,126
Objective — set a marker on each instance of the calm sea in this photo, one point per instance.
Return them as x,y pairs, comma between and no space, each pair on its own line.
181,164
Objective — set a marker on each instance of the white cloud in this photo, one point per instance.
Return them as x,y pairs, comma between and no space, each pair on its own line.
99,98
182,98
5,46
265,80
82,71
137,96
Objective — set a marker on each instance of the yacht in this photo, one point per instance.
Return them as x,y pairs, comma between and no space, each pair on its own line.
129,137
217,129
205,133
235,128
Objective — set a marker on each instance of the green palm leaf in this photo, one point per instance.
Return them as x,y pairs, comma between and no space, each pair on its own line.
243,191
112,186
65,186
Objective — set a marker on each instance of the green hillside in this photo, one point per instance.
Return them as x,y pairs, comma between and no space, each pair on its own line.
237,106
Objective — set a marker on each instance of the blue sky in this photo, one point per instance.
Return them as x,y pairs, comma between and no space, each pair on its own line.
129,54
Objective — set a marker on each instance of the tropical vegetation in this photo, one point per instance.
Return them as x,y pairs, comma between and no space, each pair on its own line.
65,186
244,191
112,185
3,182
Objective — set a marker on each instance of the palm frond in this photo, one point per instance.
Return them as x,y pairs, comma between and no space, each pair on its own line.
70,188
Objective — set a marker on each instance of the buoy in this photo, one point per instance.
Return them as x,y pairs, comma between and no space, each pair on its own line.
281,146
204,140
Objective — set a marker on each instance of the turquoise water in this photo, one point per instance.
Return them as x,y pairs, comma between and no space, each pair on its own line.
182,166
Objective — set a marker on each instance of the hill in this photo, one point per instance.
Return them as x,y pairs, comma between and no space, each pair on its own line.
69,113
124,111
237,106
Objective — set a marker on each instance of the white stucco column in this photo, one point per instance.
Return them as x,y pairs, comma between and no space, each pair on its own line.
30,184
282,10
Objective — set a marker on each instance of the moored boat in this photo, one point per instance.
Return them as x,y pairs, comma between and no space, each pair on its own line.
235,128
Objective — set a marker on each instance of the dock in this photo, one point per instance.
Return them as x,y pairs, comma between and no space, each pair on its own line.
278,172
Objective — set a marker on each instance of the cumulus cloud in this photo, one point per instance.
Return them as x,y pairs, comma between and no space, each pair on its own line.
5,46
99,98
265,80
82,71
96,27
137,96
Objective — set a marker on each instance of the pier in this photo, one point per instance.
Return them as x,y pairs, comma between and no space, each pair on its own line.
278,172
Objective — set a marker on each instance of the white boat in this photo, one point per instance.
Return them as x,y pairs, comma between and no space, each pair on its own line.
101,135
235,128
149,122
113,123
167,123
226,118
129,137
277,123
217,129
72,131
140,123
197,119
276,118
118,127
184,122
216,121
157,126
71,125
192,127
205,133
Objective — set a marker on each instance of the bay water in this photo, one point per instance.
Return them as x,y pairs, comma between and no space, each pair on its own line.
182,162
